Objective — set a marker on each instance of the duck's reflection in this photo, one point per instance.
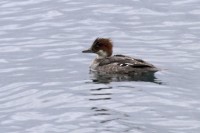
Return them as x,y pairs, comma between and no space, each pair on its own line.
100,111
107,78
103,100
103,115
100,94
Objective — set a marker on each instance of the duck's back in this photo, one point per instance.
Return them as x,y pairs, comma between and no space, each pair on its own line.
120,64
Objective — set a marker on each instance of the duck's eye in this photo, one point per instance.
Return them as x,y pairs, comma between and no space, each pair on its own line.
97,45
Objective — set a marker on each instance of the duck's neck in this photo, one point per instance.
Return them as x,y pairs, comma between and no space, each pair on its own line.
101,54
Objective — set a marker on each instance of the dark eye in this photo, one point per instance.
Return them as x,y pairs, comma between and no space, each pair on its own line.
97,45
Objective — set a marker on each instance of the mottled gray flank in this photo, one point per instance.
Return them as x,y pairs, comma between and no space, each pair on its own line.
120,64
45,84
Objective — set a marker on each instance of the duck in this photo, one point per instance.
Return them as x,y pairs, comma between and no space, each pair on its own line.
107,63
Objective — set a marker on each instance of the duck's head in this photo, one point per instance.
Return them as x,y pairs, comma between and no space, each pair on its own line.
102,47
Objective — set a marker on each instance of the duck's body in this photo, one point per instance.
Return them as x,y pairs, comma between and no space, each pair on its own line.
120,64
117,64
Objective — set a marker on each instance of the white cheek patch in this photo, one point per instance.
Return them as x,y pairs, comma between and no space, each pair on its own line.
102,54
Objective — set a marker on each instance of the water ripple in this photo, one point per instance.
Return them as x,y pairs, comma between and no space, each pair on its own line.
45,81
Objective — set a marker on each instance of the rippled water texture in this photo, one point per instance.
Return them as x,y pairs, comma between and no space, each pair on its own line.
45,82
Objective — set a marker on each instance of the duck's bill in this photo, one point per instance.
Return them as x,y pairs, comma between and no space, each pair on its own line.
87,51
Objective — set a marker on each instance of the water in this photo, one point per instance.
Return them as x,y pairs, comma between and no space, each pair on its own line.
45,82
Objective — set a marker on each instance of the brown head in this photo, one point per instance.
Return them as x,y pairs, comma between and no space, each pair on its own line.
102,47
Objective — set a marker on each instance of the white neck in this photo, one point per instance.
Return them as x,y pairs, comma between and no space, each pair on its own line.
101,54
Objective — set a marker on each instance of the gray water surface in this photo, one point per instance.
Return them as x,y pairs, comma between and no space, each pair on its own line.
45,84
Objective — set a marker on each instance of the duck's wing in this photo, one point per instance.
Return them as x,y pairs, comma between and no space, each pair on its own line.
126,61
